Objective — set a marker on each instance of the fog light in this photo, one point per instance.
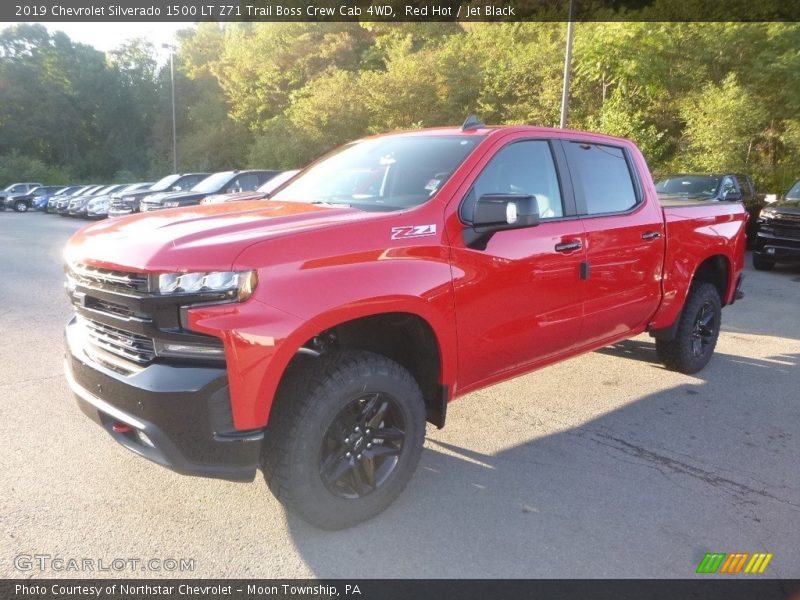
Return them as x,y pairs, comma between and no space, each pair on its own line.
181,350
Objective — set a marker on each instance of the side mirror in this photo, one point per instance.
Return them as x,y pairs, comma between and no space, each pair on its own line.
731,195
500,212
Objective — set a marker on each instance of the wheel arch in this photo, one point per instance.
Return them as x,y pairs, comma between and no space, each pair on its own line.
416,339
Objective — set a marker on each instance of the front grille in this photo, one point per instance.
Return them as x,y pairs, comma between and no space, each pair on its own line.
109,279
134,347
786,232
122,203
109,307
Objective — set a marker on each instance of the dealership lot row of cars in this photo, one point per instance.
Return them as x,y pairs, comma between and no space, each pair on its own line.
177,189
773,229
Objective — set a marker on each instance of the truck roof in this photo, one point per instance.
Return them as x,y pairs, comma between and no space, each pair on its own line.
492,130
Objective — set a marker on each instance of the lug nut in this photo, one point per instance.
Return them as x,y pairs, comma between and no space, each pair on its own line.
358,457
369,445
358,429
368,431
347,455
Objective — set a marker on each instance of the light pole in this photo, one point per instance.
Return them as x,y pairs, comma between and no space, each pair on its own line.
172,48
567,68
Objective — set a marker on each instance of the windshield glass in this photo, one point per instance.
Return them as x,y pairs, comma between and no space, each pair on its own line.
277,181
688,185
388,173
214,182
795,191
164,183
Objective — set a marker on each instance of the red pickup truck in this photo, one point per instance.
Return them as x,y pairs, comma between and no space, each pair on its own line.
313,334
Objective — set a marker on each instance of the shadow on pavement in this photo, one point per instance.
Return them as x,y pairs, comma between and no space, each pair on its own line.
642,491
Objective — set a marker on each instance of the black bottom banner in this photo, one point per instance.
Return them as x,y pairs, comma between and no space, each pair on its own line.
403,589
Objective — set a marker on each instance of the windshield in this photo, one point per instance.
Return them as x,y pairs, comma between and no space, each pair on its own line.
102,190
164,183
388,173
277,181
213,183
688,185
794,193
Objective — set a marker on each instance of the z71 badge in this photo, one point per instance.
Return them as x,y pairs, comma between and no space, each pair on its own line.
412,231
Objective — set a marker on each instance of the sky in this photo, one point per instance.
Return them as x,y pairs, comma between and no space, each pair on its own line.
107,36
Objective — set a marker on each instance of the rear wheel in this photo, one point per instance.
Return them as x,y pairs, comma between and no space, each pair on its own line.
762,264
344,437
20,206
697,333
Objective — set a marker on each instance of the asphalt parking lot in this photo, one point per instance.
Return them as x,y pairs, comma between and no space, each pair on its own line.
606,465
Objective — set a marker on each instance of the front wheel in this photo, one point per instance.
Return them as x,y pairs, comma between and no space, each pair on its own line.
697,333
20,207
344,437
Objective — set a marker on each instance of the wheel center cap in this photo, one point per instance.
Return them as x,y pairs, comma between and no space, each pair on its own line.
358,443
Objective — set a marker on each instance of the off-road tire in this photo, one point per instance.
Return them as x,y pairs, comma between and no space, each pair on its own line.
680,353
311,397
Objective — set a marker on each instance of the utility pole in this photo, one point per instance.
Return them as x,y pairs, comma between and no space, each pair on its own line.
567,67
172,48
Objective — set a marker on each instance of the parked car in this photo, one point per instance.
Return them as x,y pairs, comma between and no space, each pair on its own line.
225,182
263,192
128,203
25,202
78,206
40,203
726,186
312,335
62,205
16,189
64,195
98,207
778,232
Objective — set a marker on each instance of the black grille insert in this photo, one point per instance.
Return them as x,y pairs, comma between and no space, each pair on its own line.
134,347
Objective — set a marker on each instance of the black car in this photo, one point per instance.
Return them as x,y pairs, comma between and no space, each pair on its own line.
224,182
778,232
127,203
722,187
24,202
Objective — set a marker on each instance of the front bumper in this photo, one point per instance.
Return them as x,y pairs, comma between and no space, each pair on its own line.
179,416
777,248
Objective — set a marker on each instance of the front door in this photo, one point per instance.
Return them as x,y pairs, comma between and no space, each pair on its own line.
519,298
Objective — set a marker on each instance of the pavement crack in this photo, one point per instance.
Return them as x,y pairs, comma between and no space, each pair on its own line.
722,483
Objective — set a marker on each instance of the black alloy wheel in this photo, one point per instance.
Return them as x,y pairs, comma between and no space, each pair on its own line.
362,446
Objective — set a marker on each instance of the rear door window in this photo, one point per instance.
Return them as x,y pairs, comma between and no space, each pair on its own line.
602,176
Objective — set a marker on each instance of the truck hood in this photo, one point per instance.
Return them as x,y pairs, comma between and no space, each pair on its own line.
183,196
198,237
787,206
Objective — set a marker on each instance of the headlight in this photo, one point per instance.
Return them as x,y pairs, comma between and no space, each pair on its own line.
237,285
767,213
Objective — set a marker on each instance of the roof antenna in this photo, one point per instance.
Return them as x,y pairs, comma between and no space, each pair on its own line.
472,123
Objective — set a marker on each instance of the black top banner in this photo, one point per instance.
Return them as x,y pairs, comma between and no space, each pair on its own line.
398,10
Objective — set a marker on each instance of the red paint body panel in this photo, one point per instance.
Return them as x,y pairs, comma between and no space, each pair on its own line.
496,313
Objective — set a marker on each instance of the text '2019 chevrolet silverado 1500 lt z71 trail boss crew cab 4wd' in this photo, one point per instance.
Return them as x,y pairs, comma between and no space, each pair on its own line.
312,335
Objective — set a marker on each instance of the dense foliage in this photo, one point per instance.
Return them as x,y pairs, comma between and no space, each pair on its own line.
695,96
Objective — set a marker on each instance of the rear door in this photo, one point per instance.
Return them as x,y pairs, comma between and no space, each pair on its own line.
625,240
519,298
